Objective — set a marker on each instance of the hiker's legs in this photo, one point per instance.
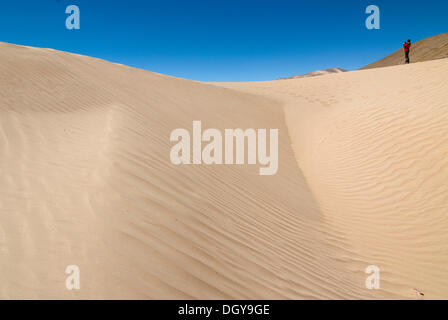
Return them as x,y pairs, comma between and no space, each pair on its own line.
407,56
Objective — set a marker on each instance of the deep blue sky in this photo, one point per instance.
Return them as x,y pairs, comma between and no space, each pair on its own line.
224,40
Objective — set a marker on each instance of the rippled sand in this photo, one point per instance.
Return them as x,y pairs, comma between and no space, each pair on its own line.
86,179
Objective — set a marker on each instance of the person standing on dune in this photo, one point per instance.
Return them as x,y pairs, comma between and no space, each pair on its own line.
407,49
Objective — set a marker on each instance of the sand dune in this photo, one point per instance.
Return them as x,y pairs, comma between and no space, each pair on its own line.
432,48
316,73
373,148
85,179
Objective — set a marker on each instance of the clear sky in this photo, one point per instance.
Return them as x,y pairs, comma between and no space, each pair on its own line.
224,40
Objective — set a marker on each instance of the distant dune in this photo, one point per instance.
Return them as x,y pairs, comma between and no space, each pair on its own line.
86,179
431,48
316,73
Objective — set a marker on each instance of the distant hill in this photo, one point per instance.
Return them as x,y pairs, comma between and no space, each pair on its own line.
316,73
431,48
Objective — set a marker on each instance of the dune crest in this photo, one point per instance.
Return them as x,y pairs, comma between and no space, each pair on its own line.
86,180
432,48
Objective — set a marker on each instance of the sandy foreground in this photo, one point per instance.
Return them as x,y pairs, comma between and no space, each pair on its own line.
86,179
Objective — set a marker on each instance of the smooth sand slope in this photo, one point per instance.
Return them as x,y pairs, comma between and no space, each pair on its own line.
85,179
431,48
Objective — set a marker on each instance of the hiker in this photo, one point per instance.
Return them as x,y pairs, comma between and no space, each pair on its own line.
407,48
